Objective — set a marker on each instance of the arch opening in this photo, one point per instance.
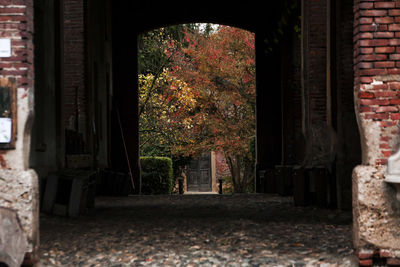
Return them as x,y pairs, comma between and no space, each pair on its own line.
198,98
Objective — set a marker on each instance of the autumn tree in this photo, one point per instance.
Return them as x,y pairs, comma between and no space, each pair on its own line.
153,63
165,104
220,70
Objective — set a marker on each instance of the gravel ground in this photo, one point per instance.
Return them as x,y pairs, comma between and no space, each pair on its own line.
198,230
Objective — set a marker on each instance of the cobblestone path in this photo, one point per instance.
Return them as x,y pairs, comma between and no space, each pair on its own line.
198,230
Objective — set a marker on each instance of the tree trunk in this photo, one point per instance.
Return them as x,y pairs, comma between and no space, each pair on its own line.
241,170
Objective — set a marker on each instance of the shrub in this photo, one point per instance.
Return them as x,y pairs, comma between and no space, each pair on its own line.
156,175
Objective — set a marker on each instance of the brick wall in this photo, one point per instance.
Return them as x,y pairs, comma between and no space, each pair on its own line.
315,64
222,168
377,70
16,23
74,65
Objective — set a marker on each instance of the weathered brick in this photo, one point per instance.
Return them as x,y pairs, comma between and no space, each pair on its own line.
377,102
385,94
384,64
366,20
365,65
394,42
394,27
384,20
376,116
386,109
366,109
393,261
373,72
384,146
366,95
395,116
385,49
384,4
367,28
373,13
364,35
366,5
366,80
366,50
394,56
395,71
394,12
374,42
394,85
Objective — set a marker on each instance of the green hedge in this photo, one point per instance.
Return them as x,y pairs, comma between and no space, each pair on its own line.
157,175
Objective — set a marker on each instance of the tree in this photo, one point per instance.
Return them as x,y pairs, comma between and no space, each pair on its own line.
220,69
165,104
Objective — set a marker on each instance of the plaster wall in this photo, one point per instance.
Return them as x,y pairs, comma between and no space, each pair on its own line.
18,183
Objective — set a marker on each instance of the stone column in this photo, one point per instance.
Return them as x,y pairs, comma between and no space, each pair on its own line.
19,184
376,212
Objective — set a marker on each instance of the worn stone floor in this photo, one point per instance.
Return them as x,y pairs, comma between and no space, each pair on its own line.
198,230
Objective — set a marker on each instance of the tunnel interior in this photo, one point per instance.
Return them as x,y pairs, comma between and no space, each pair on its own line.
86,87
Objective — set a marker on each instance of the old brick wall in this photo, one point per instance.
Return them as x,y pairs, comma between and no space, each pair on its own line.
222,168
376,91
377,70
315,55
16,23
74,65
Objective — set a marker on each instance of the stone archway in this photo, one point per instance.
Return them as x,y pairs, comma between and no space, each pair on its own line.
376,86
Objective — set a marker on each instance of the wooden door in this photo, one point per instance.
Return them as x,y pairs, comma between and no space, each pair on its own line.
199,174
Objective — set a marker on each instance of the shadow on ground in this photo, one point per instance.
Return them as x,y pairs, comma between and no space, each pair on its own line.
198,230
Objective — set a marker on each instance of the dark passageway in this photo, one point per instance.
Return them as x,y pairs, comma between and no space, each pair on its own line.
193,230
327,135
292,82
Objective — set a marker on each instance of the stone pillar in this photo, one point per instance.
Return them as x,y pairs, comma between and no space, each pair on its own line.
125,96
18,184
376,212
343,114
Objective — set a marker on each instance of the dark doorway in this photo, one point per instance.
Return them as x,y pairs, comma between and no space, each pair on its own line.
199,174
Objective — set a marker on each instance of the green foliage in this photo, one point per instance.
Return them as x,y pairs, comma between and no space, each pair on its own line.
179,163
152,46
227,185
156,175
164,102
288,17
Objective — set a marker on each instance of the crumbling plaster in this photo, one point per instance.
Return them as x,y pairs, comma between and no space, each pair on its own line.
19,188
376,212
